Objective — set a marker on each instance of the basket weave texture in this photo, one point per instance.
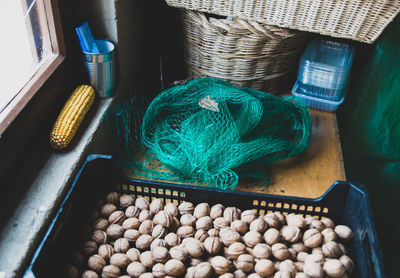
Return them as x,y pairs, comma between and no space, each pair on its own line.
248,54
360,20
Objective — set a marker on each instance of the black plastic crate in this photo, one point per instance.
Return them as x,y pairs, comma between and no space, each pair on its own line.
344,202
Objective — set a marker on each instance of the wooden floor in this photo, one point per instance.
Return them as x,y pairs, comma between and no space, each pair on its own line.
313,172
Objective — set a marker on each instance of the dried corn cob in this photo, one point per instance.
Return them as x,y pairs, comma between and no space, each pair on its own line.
71,116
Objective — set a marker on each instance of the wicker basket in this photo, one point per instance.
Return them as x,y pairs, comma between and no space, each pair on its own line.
360,20
248,54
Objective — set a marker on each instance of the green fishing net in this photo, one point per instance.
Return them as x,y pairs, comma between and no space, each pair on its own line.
208,131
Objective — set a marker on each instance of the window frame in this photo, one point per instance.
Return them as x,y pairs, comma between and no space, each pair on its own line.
49,15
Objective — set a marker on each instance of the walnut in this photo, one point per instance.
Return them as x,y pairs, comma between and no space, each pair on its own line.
204,223
299,266
113,198
188,219
236,249
142,203
174,225
328,235
121,245
317,250
135,269
301,256
162,218
344,232
288,265
281,218
117,217
316,224
254,275
203,270
126,200
239,274
158,242
146,227
100,224
293,253
301,275
220,265
283,274
331,250
115,231
159,231
295,220
262,251
178,253
186,208
133,254
106,251
146,275
328,222
334,268
147,259
174,268
120,260
212,245
144,215
217,211
264,267
272,236
239,226
248,216
160,254
132,211
252,238
156,206
96,263
143,242
89,248
201,210
107,209
221,222
201,235
195,261
213,232
299,247
272,220
194,248
172,239
280,251
347,263
315,258
171,209
110,271
158,270
190,272
99,236
313,270
229,236
259,225
231,214
342,248
310,219
185,231
290,233
89,274
312,238
131,235
245,262
227,275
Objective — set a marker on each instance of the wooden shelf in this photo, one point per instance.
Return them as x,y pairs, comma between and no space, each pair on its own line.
313,172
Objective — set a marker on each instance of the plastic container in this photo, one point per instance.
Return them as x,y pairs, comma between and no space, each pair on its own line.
324,69
344,202
100,68
316,102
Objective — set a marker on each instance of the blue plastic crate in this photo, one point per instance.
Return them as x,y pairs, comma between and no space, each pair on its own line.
344,202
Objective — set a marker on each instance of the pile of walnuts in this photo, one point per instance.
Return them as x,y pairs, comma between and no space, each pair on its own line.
135,238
